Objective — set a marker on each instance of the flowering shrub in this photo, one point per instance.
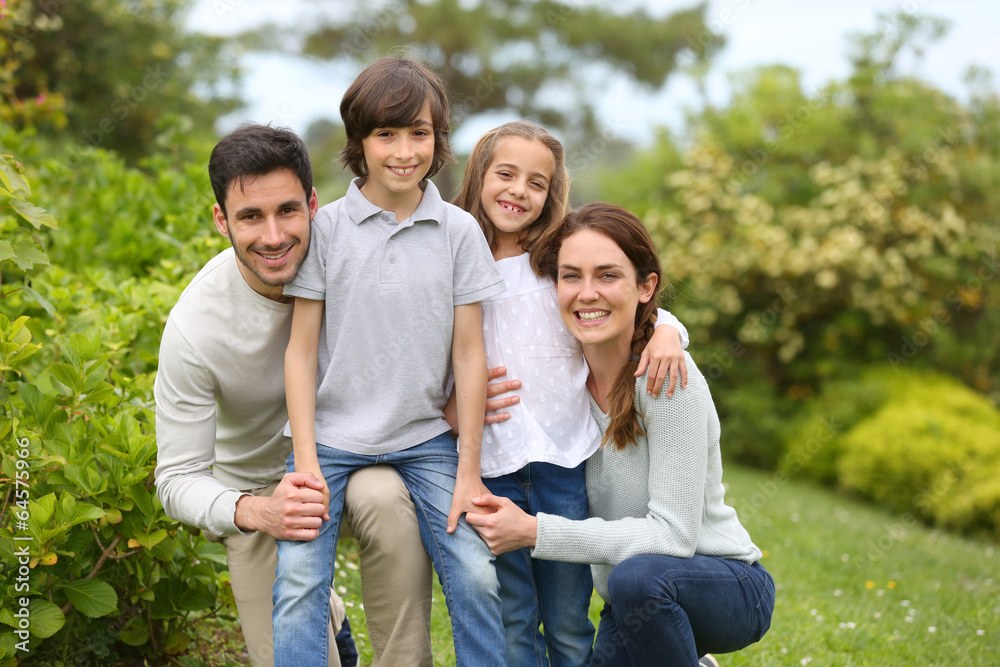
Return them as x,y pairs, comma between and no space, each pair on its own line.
810,235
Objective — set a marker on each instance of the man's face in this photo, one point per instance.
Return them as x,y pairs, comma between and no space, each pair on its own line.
268,225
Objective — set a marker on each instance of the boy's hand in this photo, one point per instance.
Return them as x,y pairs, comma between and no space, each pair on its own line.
663,353
461,501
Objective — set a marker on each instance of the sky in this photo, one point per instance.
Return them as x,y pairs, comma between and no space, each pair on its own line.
807,35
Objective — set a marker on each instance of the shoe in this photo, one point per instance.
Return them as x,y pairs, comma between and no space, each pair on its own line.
346,647
708,660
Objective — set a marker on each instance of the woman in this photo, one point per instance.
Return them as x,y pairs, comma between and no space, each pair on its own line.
678,572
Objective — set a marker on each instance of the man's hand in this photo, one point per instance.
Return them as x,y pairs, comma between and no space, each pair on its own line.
503,525
295,511
492,403
466,488
498,389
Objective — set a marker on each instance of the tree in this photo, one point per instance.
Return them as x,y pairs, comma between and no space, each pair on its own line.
541,59
107,71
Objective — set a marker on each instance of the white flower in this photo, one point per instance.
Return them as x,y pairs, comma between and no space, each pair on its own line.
908,619
342,590
837,593
980,633
805,661
931,629
878,614
905,603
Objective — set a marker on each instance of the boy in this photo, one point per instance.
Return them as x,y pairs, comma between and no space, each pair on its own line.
390,288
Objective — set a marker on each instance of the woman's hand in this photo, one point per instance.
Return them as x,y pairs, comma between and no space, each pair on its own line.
503,525
663,353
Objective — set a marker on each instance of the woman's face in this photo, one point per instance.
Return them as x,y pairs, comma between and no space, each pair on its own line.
598,290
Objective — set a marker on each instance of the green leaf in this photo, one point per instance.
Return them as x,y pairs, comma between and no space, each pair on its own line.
152,539
6,250
11,175
92,597
41,510
212,551
85,512
36,215
46,618
40,300
135,632
176,643
67,376
27,255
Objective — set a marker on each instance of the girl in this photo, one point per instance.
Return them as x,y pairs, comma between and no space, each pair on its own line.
678,572
516,186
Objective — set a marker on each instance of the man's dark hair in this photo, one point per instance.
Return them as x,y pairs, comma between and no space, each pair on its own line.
391,92
256,150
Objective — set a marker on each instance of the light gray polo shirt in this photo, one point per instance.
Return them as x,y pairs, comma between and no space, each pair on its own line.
390,291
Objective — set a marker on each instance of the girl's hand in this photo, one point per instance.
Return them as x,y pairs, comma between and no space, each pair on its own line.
664,353
503,525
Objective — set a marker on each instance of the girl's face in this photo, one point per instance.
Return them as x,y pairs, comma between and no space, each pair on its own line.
598,289
515,187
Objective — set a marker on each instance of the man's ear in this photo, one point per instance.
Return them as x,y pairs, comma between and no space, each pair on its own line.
313,204
647,287
220,220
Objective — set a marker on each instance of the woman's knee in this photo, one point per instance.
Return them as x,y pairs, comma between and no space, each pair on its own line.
632,584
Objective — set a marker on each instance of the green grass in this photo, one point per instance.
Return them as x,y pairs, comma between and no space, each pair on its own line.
855,585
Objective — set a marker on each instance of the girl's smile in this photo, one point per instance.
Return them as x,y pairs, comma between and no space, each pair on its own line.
515,188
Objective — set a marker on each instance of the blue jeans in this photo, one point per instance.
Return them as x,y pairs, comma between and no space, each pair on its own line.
669,611
554,594
462,560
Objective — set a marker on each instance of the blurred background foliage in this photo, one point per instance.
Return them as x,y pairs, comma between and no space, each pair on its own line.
832,254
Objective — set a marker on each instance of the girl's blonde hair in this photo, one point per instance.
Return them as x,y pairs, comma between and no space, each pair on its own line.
471,195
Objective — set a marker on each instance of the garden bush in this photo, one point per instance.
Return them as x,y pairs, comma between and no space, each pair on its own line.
93,571
931,453
815,438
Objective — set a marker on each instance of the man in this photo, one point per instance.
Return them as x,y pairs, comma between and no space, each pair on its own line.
220,411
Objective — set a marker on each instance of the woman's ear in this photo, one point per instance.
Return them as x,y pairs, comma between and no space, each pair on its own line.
647,287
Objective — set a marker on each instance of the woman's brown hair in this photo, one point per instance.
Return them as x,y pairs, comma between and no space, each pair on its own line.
470,198
628,232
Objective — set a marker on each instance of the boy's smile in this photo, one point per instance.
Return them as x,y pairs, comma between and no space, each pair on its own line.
398,159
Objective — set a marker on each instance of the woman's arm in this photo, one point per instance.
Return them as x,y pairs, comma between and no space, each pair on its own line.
678,436
301,359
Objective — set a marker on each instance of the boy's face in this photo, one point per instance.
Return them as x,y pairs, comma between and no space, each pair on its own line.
268,224
398,158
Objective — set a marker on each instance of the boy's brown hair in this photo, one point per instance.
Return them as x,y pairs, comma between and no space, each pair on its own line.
391,92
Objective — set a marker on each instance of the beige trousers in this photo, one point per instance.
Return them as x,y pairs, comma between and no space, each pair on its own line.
395,574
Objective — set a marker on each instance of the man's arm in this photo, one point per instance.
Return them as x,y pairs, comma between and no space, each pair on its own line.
468,360
185,438
293,512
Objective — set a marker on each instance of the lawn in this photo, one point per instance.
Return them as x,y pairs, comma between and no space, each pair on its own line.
856,585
